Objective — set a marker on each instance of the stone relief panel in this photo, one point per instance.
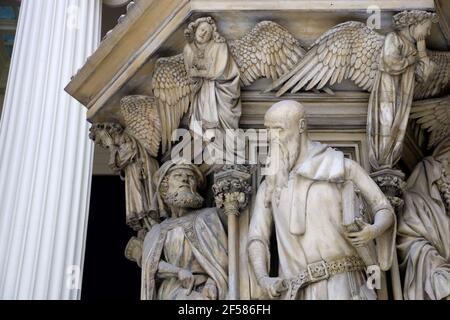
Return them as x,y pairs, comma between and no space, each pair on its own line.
189,251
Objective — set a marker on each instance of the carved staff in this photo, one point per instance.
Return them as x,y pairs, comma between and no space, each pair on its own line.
231,190
392,183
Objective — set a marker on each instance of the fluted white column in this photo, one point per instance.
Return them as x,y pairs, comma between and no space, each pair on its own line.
45,153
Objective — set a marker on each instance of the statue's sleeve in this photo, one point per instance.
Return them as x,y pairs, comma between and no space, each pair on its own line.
393,59
427,272
374,197
188,57
126,153
261,220
379,205
219,63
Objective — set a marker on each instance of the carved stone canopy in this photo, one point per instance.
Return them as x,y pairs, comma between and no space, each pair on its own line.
124,62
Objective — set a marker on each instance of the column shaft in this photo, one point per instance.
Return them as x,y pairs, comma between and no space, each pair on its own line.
46,156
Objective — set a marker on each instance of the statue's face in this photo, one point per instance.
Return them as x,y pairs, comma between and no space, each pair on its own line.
422,30
284,133
203,33
182,190
182,180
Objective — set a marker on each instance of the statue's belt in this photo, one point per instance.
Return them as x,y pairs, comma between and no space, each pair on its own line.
321,270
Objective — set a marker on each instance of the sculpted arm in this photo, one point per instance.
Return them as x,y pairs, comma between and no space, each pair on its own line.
393,59
384,216
258,245
166,270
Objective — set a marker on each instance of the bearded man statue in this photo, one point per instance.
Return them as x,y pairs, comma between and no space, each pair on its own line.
423,235
185,256
302,202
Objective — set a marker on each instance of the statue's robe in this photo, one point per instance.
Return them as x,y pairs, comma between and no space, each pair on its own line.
136,168
308,223
390,100
197,242
424,235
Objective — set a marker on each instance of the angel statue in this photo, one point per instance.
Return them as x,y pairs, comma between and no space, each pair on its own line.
131,155
204,81
395,68
215,78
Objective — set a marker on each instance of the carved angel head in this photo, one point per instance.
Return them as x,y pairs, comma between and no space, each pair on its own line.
202,31
105,134
419,21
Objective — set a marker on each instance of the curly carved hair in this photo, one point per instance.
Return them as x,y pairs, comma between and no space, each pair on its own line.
189,32
407,18
105,129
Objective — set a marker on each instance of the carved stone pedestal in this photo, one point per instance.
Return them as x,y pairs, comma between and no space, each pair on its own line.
232,190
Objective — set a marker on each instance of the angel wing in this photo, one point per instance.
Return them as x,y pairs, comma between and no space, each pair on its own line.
267,51
172,89
433,115
440,78
142,121
350,50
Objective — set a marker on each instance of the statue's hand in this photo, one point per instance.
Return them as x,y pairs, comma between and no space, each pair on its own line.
187,279
273,286
210,291
368,232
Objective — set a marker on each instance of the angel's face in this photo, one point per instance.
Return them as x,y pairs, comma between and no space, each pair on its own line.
422,30
203,33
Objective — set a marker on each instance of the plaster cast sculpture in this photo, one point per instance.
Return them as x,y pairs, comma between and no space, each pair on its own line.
317,257
394,68
185,256
130,157
424,229
204,82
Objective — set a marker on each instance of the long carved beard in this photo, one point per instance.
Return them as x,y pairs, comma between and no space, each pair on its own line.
443,185
279,168
185,199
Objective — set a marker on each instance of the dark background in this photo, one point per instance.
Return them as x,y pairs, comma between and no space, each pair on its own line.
107,273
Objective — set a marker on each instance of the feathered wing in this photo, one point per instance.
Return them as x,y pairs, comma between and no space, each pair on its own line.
433,115
267,51
172,89
439,81
350,50
142,121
